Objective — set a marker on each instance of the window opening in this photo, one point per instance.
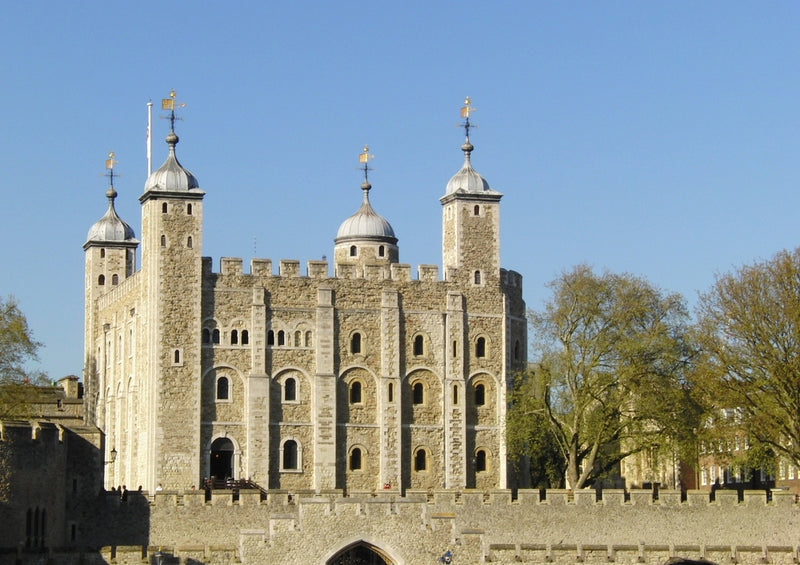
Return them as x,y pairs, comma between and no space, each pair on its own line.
163,241
480,347
290,454
270,337
476,211
480,395
353,251
189,242
308,338
355,343
381,251
102,253
215,335
245,337
455,394
234,337
115,279
418,393
189,209
101,280
177,356
391,392
480,460
420,460
222,388
355,459
355,392
281,338
297,338
477,277
164,208
290,390
418,345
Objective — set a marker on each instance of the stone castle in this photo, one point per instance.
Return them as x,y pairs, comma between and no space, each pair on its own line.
357,412
366,379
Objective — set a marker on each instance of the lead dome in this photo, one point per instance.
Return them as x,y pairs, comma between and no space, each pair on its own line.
171,176
110,228
366,223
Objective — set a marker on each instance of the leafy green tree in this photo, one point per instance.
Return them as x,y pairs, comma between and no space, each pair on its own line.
614,353
17,348
749,333
531,442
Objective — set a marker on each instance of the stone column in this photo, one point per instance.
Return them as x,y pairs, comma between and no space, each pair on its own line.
323,401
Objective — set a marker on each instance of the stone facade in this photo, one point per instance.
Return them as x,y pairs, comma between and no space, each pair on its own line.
368,379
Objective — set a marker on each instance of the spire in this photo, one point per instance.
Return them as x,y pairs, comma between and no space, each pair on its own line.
364,158
111,228
465,112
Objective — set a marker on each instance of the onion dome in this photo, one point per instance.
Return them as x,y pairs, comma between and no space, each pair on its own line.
366,223
467,179
111,228
171,176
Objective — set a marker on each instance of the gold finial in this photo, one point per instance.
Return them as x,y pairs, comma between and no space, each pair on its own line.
170,104
365,157
466,109
110,161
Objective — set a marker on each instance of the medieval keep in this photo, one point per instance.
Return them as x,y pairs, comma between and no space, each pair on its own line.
359,375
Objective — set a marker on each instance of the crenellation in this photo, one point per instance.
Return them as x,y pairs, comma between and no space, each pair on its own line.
231,266
289,268
428,273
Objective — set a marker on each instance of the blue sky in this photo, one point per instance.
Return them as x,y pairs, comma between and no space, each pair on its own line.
656,138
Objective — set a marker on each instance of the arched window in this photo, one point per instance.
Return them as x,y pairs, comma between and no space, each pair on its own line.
114,279
289,458
215,336
381,251
222,388
419,344
418,393
297,338
455,394
480,395
281,338
355,343
101,280
477,277
290,390
245,337
234,337
355,459
102,253
270,337
480,460
177,356
355,392
189,242
189,209
480,347
391,392
164,208
308,338
206,335
353,251
163,239
420,460
476,211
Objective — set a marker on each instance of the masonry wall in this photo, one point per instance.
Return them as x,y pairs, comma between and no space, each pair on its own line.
475,526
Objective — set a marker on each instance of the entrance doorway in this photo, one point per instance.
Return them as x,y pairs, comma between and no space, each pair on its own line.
221,463
360,553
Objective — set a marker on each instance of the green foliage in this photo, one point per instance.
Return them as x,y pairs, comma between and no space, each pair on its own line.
17,347
612,369
531,443
749,333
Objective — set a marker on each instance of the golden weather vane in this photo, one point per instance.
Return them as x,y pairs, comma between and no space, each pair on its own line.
110,162
170,104
466,110
364,157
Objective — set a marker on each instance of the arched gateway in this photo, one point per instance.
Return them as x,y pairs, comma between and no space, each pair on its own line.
360,553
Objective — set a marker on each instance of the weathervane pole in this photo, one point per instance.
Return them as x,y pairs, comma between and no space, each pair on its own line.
364,158
149,138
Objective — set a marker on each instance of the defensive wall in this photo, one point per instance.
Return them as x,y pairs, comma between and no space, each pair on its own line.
554,526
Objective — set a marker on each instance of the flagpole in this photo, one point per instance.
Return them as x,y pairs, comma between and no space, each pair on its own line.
149,138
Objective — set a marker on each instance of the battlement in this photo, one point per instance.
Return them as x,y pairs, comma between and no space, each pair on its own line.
319,269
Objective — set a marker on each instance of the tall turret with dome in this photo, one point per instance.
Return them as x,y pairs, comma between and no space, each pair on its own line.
470,222
365,238
172,223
